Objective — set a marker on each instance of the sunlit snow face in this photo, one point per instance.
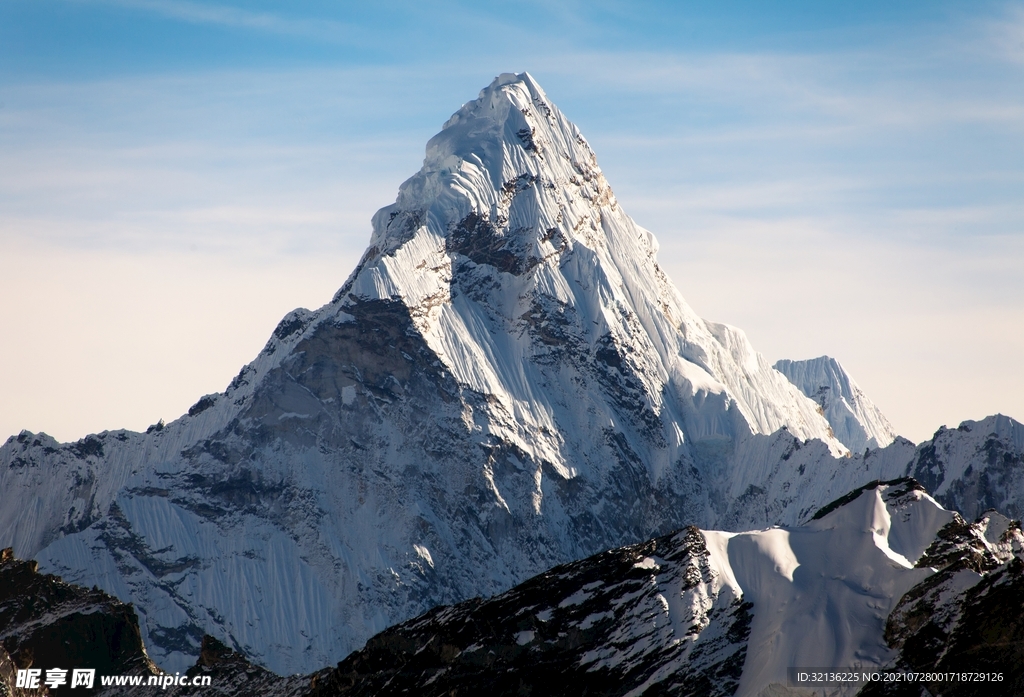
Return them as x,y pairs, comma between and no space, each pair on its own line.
822,592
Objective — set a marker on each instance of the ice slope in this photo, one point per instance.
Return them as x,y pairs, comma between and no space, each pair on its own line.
822,592
854,419
506,382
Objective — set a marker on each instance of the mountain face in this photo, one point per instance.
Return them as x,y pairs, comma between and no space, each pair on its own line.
854,419
977,466
506,382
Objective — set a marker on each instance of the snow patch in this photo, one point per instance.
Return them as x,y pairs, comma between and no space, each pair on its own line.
576,598
424,554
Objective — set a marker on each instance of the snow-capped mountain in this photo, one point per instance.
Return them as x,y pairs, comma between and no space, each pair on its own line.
854,419
506,382
978,465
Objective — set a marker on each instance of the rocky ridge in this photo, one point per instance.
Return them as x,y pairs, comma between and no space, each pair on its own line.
47,623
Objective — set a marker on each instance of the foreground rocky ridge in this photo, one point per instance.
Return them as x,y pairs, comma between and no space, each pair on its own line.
883,578
709,613
47,623
650,617
966,618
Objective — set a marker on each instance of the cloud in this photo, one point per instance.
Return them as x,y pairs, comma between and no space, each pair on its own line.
890,86
234,17
1005,35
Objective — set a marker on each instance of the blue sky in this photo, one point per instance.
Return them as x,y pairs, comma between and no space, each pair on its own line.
841,178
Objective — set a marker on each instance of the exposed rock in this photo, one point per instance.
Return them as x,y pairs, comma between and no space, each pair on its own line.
46,623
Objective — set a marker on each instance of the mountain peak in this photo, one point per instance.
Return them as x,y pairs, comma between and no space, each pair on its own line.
493,102
854,418
507,170
508,246
507,380
513,110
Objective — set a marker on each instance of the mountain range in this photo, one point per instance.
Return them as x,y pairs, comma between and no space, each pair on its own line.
507,382
881,581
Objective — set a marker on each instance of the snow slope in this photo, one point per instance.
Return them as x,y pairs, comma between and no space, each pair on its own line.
854,419
822,592
507,381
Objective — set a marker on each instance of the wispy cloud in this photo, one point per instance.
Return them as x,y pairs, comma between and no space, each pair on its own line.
882,87
323,29
1006,34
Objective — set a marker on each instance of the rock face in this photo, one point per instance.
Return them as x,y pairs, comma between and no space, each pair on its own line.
655,617
977,466
854,419
506,382
46,623
968,617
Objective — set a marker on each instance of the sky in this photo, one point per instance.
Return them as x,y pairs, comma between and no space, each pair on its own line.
833,178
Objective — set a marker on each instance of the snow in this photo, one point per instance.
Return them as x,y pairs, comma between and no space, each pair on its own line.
424,554
523,638
854,419
554,396
575,599
822,591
